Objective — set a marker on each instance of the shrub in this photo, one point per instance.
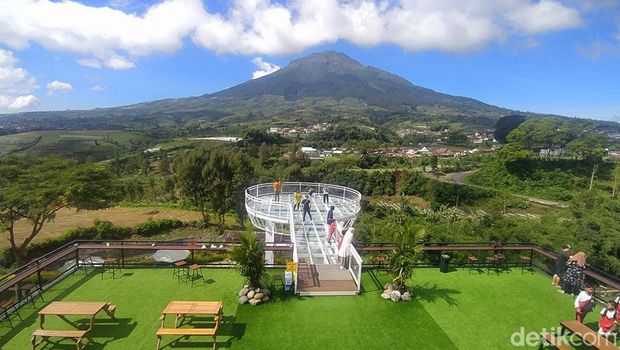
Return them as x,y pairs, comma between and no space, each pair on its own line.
154,227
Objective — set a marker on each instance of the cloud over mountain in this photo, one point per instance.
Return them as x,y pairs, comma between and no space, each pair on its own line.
109,37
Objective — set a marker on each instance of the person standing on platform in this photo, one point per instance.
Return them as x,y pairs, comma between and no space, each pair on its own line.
325,195
277,189
331,230
330,215
560,266
344,248
296,200
306,206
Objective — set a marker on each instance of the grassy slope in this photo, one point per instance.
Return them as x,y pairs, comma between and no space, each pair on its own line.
452,311
122,216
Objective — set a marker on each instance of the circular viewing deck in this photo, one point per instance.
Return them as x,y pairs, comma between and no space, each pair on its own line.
280,217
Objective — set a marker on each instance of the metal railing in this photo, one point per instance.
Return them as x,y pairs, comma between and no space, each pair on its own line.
259,199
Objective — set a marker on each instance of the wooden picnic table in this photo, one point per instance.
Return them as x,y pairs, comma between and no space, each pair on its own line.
183,308
589,336
76,308
68,308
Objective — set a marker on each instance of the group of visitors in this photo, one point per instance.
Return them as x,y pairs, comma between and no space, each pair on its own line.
304,203
569,277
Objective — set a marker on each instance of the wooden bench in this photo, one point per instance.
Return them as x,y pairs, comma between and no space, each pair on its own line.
589,336
212,332
45,334
550,339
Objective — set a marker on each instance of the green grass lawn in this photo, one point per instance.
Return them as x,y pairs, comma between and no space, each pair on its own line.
457,310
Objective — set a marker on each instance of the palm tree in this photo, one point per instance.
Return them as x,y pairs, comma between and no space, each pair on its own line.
405,255
249,257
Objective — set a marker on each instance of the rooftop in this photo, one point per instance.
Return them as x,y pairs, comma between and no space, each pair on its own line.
457,310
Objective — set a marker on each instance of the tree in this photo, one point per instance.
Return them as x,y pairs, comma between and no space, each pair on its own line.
434,162
263,153
36,189
405,255
227,172
505,125
192,183
249,257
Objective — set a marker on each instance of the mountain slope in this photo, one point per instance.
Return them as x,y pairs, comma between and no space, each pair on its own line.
335,75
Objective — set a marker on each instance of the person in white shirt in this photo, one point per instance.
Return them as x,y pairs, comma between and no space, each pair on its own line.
607,321
343,248
584,303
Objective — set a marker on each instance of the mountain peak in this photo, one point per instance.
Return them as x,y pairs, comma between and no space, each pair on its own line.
326,57
335,75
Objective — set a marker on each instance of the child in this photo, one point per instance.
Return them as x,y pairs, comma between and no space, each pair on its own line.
332,229
608,319
584,303
296,200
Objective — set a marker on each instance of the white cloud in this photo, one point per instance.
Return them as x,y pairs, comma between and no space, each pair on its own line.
16,84
109,37
58,86
90,62
264,67
98,87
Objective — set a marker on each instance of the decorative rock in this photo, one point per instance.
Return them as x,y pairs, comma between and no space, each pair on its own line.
257,290
387,286
266,291
395,296
265,299
251,294
258,296
385,295
406,296
254,302
244,291
246,286
243,299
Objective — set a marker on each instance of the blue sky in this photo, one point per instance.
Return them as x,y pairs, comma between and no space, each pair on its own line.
543,56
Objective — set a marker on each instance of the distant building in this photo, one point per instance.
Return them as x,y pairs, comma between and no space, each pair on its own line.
311,152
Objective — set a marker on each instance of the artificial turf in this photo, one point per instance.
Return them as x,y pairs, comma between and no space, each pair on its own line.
457,310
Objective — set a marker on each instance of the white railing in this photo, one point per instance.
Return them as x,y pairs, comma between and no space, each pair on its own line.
292,234
259,200
355,266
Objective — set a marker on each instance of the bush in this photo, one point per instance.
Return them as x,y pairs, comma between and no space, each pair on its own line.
154,227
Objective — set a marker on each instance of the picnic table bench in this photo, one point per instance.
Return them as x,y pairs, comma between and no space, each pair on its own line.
67,308
589,336
550,339
182,309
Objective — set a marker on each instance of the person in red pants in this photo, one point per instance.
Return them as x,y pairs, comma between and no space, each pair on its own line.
584,303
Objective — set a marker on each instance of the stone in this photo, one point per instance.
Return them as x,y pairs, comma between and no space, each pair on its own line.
395,296
265,299
406,296
385,295
246,286
243,299
257,290
266,291
387,285
244,291
251,294
258,296
254,302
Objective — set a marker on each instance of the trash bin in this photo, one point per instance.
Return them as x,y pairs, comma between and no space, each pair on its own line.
444,265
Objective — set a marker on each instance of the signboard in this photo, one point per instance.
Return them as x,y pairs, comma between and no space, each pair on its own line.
291,266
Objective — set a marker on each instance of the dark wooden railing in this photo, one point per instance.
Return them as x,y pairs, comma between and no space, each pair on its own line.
129,253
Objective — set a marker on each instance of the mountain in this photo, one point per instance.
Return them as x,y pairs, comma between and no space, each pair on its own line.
309,89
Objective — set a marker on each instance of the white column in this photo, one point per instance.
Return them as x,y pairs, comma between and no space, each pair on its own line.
269,238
